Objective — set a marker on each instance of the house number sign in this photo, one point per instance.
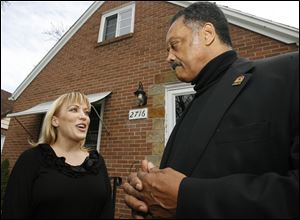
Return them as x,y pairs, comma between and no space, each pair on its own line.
138,113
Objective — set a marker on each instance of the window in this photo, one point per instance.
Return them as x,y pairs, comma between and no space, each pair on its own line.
2,141
178,96
110,27
94,133
181,102
117,23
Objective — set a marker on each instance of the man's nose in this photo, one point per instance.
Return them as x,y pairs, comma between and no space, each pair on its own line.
171,58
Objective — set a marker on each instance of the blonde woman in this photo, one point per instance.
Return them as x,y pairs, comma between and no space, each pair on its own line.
59,177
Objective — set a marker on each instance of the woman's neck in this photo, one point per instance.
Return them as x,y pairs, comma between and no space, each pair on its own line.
67,145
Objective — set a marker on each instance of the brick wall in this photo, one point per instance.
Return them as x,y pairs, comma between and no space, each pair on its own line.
83,65
255,46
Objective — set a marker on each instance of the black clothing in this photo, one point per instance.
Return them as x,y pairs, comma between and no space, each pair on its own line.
213,71
206,79
42,185
238,144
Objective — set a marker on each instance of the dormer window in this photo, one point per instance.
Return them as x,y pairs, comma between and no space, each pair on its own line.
117,23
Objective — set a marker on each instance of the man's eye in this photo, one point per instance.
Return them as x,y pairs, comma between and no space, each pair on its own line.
174,46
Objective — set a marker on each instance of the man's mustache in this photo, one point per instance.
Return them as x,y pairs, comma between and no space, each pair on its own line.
175,64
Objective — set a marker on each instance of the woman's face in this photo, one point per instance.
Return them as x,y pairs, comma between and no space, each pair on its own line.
72,121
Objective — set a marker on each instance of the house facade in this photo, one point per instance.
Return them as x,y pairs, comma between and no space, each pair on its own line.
6,108
113,47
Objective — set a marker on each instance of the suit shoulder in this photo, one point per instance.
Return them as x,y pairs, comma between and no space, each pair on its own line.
285,66
291,59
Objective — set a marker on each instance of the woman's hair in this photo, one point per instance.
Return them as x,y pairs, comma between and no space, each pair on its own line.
49,132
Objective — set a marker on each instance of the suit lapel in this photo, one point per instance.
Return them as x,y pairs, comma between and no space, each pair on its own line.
233,81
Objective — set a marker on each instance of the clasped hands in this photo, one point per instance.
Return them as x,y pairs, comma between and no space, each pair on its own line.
153,191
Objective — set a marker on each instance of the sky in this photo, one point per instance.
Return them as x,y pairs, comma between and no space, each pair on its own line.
24,23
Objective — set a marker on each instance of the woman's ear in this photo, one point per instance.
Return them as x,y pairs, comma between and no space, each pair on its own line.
55,121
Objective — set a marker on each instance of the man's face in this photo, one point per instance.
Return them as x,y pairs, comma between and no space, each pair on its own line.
186,50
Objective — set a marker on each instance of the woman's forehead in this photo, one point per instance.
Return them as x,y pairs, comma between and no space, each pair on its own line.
76,103
79,103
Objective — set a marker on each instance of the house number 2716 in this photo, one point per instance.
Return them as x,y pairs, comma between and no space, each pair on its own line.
138,113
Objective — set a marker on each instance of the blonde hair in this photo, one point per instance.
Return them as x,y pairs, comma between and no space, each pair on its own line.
49,132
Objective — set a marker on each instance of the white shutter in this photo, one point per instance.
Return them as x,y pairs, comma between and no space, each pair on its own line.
125,18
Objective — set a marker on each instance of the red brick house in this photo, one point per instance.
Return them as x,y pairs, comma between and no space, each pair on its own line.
111,48
6,107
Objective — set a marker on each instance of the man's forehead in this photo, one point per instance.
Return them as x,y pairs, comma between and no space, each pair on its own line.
172,29
177,24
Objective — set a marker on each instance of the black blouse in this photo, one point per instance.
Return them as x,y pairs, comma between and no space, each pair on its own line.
42,185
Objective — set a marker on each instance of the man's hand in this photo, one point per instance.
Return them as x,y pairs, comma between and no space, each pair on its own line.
132,196
160,191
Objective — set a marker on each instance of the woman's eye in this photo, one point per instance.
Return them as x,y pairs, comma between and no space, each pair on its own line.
87,113
73,109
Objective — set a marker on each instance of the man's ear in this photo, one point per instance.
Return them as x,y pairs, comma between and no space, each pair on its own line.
55,121
209,33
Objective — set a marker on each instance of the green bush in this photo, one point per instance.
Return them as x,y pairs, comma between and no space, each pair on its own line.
4,178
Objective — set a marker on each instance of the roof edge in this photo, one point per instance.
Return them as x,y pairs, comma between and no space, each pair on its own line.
275,30
55,49
281,32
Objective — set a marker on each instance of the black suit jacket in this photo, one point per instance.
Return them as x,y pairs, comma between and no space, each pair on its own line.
242,156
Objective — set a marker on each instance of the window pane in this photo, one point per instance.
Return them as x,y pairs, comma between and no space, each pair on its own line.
125,23
110,31
110,36
181,102
125,14
110,27
92,135
125,30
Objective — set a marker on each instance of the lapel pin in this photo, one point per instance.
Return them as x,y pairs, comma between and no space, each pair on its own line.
238,81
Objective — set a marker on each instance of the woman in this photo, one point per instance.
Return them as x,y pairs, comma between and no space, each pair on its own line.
59,177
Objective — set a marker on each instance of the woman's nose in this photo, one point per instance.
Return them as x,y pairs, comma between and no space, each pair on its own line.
82,114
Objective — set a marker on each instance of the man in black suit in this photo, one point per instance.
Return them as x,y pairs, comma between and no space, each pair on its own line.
235,150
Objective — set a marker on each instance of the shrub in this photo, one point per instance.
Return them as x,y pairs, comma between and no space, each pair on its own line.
4,177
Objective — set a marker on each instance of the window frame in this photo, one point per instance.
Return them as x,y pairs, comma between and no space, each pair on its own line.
2,141
171,91
102,106
130,5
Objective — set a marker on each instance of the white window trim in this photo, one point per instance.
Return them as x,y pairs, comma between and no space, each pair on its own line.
2,141
171,91
130,5
102,104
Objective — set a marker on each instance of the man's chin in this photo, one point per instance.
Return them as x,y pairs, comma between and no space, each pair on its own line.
183,78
